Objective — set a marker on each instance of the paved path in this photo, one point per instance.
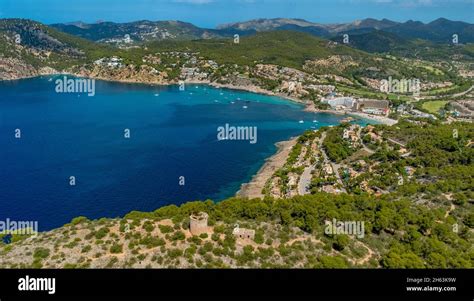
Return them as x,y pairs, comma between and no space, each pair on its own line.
305,180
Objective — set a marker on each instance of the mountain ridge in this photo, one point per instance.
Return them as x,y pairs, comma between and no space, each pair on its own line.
440,30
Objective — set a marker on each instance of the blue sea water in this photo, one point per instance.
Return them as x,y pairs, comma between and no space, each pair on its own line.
173,135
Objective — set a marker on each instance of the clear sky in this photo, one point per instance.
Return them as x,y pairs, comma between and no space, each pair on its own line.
209,13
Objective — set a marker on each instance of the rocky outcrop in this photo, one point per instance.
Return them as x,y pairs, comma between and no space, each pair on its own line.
11,68
129,73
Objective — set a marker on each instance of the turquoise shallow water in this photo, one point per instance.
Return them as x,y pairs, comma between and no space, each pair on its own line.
173,135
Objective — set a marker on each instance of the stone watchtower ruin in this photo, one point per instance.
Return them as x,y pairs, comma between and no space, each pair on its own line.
198,223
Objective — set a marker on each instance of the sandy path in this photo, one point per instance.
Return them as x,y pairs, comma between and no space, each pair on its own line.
450,210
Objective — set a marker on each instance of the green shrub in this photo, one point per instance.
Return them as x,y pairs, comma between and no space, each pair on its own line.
116,248
78,220
178,235
41,253
165,229
102,232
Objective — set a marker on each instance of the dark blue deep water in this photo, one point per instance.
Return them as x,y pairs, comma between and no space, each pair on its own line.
173,134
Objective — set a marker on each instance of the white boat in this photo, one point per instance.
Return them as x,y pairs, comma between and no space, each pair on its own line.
245,107
315,121
301,121
157,94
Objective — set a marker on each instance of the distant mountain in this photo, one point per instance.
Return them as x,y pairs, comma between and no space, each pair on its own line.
365,24
306,26
140,31
143,31
375,41
379,41
440,31
268,24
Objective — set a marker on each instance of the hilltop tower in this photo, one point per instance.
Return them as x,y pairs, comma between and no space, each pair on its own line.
198,223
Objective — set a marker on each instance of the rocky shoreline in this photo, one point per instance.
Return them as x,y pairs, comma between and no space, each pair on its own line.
254,188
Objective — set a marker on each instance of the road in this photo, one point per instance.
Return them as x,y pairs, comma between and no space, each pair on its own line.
396,142
368,150
305,180
451,96
335,167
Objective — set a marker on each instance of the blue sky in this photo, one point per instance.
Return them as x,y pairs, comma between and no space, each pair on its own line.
209,13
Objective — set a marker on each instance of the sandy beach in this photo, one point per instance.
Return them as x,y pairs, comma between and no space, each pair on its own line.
254,188
380,119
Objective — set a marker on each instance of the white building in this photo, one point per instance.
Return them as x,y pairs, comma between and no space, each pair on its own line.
346,103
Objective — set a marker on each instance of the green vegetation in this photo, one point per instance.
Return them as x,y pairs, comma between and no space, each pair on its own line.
335,146
435,106
41,253
116,248
285,48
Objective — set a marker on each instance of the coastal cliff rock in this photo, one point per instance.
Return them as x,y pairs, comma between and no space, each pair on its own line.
11,68
129,73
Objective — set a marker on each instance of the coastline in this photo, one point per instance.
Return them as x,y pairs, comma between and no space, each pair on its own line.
253,189
309,105
255,89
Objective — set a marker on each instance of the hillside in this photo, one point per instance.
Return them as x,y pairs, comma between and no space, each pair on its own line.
378,41
138,32
439,31
375,41
28,46
285,48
